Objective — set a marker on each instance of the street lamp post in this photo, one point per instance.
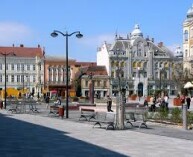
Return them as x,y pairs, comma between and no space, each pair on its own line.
91,88
139,90
66,34
5,56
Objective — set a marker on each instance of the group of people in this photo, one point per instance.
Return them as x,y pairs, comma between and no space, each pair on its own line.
157,101
186,99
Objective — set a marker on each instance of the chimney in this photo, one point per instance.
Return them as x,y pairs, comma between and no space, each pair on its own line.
21,45
160,44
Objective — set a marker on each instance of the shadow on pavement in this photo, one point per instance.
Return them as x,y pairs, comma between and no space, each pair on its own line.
18,138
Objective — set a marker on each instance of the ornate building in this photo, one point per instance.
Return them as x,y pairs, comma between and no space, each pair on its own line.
138,65
188,41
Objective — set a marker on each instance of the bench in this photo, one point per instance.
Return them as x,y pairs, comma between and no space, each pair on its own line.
136,115
13,107
108,120
54,110
87,114
32,107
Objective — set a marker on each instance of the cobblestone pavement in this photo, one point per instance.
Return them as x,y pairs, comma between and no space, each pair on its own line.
41,135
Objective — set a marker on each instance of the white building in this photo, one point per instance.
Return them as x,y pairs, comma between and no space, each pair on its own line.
138,65
25,68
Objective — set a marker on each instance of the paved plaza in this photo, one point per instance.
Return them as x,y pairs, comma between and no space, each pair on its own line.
41,135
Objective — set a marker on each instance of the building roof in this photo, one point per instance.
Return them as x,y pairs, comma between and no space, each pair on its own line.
23,51
80,64
94,70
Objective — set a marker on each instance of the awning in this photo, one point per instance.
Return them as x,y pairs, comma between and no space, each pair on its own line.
188,85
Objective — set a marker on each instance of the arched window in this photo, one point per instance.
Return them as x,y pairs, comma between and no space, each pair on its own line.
186,53
186,35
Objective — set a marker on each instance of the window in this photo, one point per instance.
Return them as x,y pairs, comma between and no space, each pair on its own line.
0,66
145,54
105,83
12,66
112,74
7,78
28,67
98,83
139,52
1,80
186,53
40,67
34,67
86,83
145,65
22,67
34,78
12,78
18,67
186,35
18,78
7,66
22,78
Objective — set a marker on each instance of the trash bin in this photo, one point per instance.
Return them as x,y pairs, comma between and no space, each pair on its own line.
61,111
1,104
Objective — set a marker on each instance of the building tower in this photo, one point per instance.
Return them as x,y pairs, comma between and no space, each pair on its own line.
188,40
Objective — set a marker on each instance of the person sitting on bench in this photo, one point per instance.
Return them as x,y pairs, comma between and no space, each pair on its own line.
58,102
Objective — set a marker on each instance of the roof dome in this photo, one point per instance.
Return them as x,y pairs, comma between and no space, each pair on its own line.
190,12
136,32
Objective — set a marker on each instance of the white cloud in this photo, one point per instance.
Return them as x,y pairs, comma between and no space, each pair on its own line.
90,41
174,46
13,32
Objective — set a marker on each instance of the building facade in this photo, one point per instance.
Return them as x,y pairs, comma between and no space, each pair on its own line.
24,68
97,77
188,41
138,65
55,74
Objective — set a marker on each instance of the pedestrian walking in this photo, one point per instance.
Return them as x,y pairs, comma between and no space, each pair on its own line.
47,100
188,100
109,104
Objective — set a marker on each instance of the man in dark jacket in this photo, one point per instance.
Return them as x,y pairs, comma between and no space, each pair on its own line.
188,100
109,104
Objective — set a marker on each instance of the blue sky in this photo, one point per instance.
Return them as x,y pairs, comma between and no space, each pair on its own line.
31,22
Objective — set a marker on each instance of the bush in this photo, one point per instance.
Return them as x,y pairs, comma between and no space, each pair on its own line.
176,115
163,113
75,99
190,117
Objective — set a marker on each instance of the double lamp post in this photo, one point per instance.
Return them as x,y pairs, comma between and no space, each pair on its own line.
66,34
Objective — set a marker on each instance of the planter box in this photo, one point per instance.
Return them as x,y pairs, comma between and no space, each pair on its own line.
177,102
133,97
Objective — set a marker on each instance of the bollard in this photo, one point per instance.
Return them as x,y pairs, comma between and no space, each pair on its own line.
184,116
61,111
